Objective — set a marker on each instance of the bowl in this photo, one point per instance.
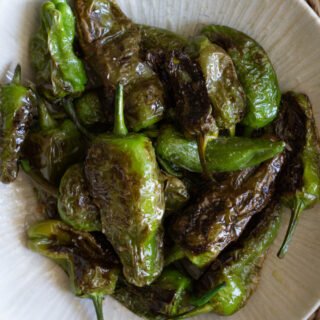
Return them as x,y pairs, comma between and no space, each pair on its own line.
33,288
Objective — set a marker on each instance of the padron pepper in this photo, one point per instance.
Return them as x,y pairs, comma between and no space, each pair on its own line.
54,146
75,204
222,154
16,113
59,72
92,267
111,44
255,72
219,215
302,172
239,268
126,185
225,91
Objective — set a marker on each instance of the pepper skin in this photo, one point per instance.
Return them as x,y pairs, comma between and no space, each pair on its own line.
126,185
16,113
222,154
53,147
59,72
224,89
111,44
302,172
239,268
219,215
255,72
92,268
75,204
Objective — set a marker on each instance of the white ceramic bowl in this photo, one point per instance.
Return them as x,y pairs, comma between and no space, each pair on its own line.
33,288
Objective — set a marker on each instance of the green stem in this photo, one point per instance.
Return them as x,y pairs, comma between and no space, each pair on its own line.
97,302
295,215
69,109
200,302
202,141
38,180
120,128
232,131
17,75
45,119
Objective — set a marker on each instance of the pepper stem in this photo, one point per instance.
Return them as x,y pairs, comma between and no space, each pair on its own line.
45,119
200,302
202,142
295,215
120,128
97,302
232,131
17,75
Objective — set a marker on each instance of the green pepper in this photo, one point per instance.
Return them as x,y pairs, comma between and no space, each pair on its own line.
125,184
53,147
16,114
219,215
225,91
176,194
222,154
240,268
161,300
255,72
305,192
111,44
59,72
92,268
75,204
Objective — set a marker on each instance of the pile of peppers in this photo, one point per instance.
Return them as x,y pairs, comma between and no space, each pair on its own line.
160,163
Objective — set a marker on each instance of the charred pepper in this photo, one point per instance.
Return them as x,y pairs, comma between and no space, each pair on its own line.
92,268
59,72
16,114
255,72
125,183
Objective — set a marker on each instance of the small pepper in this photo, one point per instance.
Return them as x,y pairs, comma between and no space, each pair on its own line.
111,44
219,215
255,72
225,91
125,183
75,204
16,114
92,268
59,72
222,154
239,268
303,188
53,147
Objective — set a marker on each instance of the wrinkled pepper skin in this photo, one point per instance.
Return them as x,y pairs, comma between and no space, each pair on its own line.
219,215
222,154
176,194
54,147
161,300
16,113
225,91
126,185
75,204
303,188
59,72
111,44
255,72
240,268
92,268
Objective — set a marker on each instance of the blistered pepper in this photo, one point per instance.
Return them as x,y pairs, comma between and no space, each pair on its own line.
111,44
239,268
126,185
255,72
54,146
92,267
59,72
225,91
219,215
222,154
301,182
16,113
